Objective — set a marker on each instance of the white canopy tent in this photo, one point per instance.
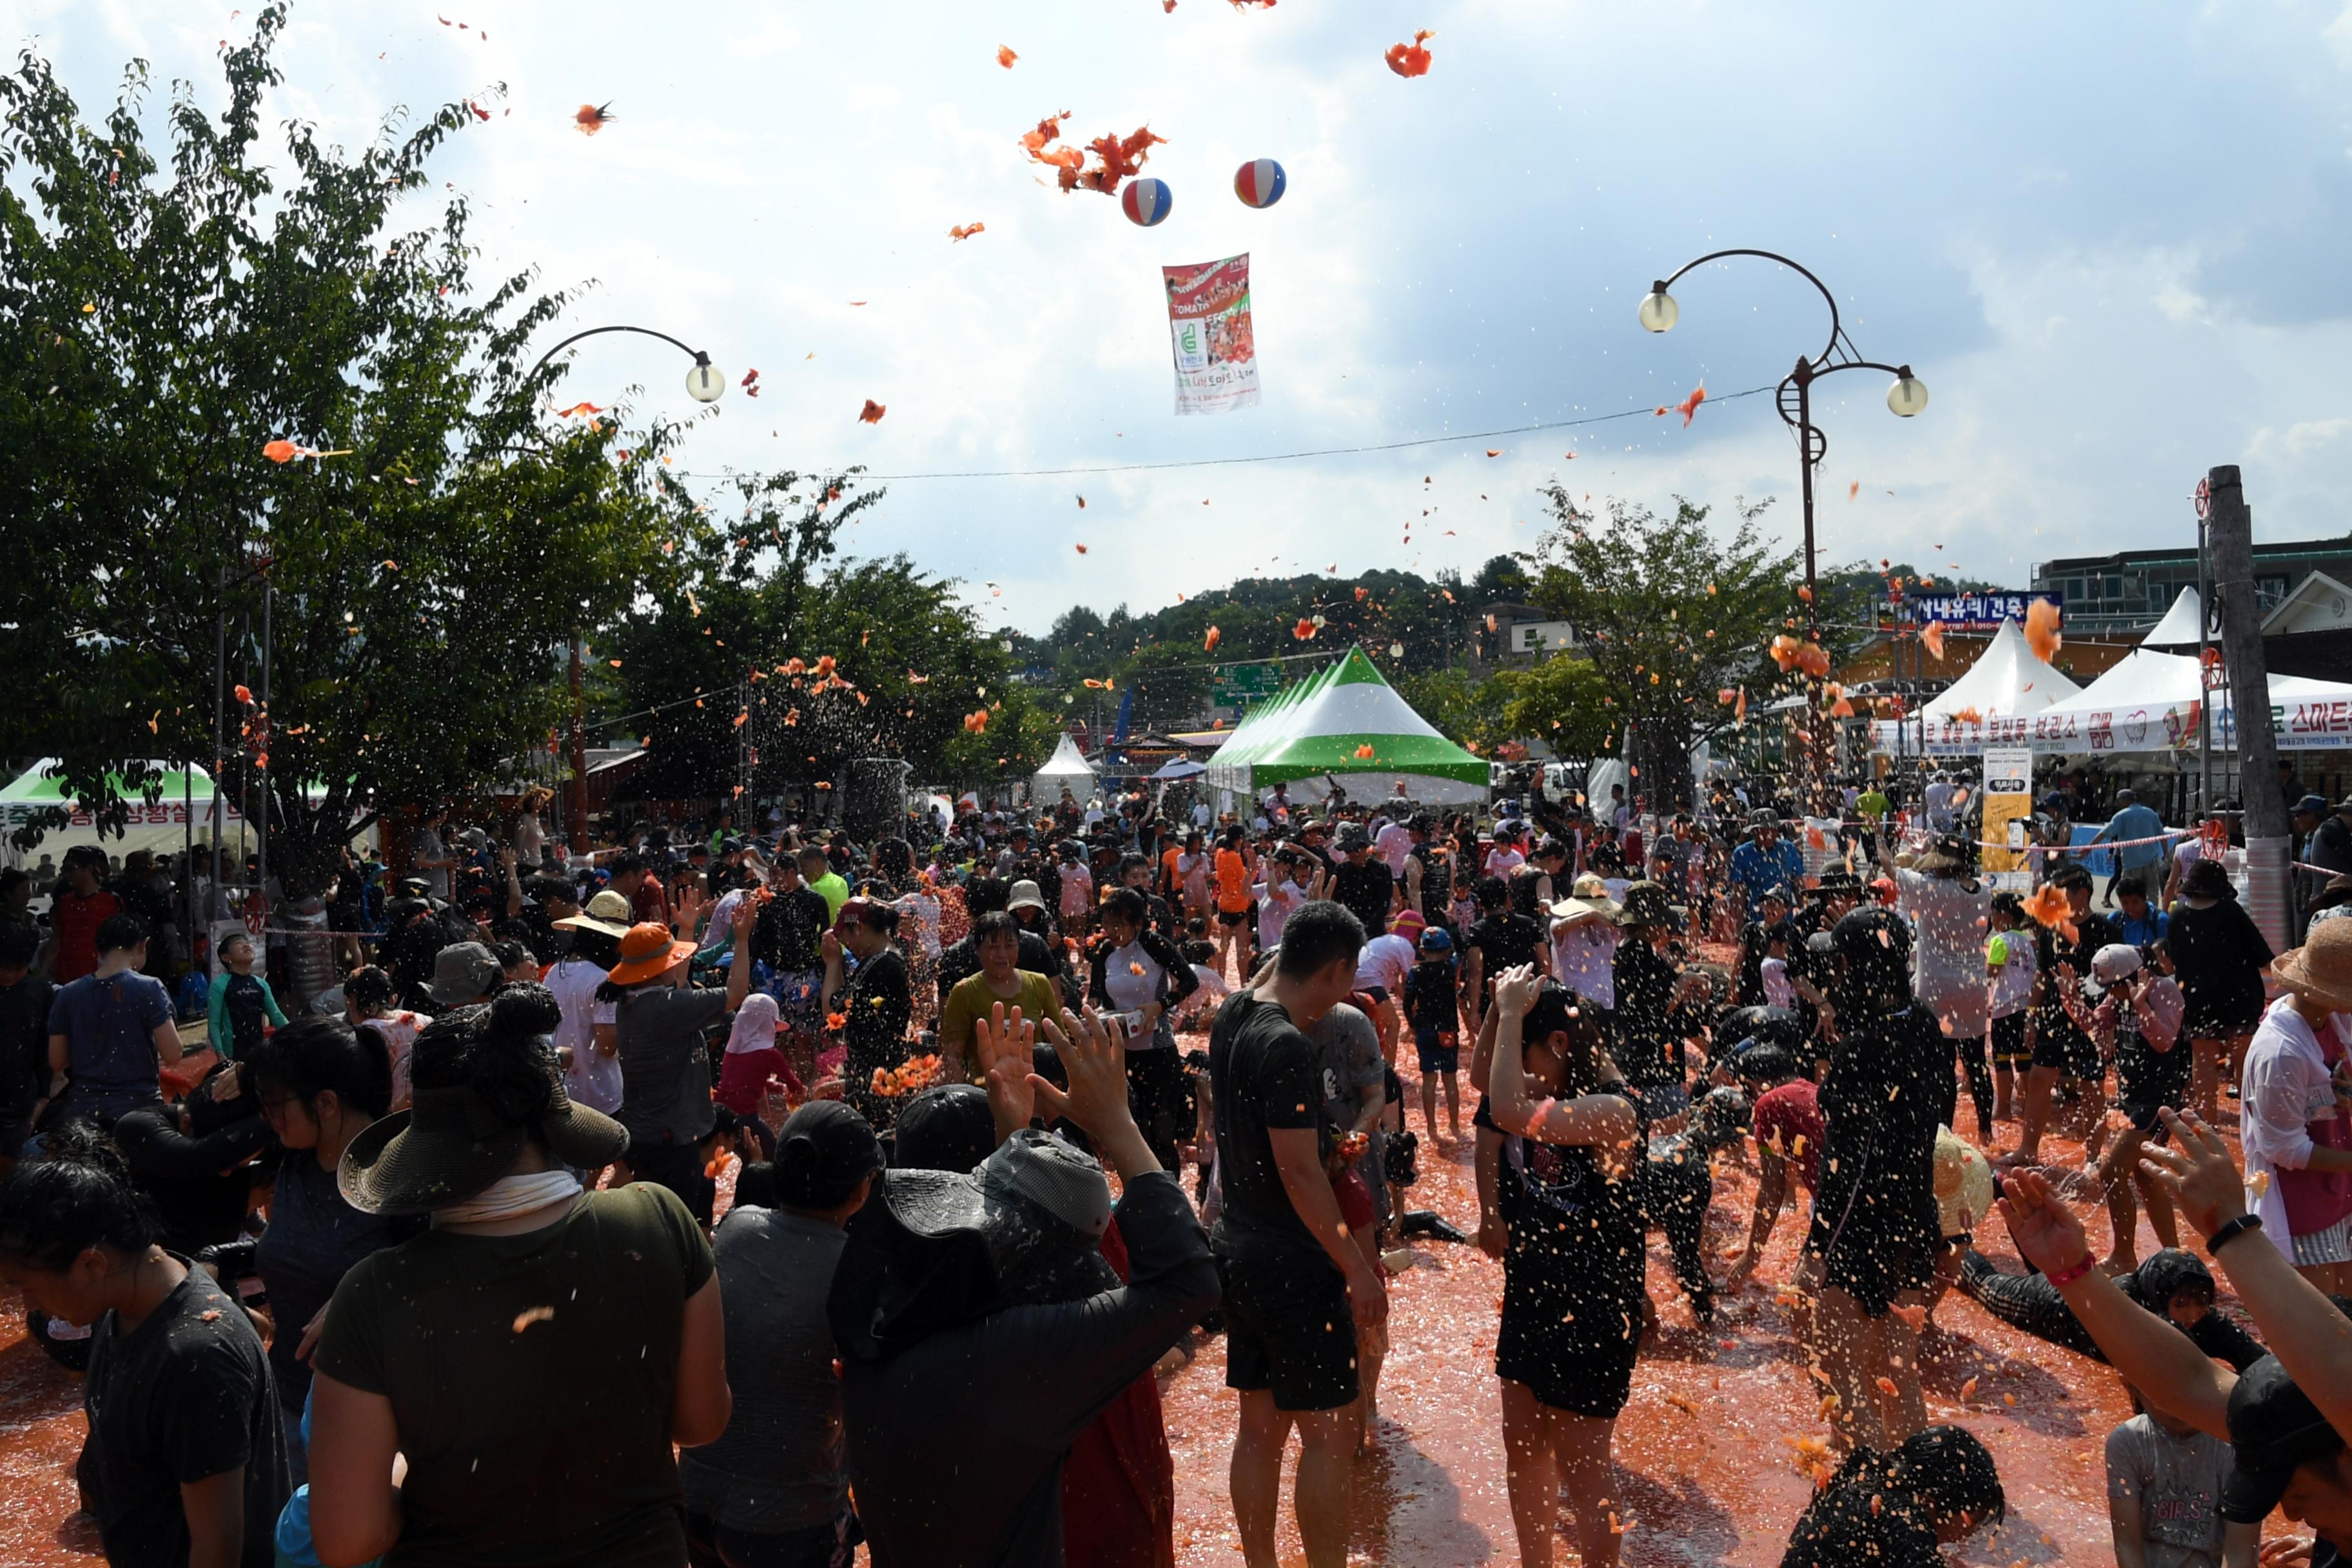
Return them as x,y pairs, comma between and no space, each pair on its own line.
2008,682
1068,769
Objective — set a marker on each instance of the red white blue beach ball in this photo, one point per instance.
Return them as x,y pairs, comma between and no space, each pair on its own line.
1259,183
1145,201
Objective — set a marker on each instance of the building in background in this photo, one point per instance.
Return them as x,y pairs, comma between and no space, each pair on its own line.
2130,591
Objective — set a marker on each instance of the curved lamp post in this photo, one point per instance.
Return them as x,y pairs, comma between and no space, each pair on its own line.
705,384
1906,398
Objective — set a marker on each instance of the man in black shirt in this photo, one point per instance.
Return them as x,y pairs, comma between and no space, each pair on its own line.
790,925
1361,884
1499,939
25,999
1293,1277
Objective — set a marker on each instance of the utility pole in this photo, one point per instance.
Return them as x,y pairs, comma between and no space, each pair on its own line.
2229,529
576,797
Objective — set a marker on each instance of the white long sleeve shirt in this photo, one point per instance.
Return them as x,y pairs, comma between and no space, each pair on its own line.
2285,1086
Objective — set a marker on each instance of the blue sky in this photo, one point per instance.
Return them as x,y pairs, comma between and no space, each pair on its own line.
2115,242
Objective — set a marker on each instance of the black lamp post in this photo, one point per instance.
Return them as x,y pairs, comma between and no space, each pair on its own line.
1906,398
704,383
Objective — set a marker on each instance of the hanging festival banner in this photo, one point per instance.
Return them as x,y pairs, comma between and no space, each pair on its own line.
1216,348
2008,803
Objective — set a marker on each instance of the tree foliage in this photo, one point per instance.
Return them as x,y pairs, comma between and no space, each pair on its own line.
1671,615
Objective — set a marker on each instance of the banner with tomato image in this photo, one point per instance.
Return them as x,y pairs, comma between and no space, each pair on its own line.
1216,347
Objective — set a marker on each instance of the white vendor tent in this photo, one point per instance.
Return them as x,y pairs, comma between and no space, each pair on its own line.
1067,768
2008,680
1346,725
187,791
2148,702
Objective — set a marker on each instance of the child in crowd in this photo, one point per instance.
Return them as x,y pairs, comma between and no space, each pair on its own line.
752,1064
2164,1492
1777,991
2009,971
1433,1002
241,1000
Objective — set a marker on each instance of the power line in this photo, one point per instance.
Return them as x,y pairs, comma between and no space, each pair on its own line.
1651,410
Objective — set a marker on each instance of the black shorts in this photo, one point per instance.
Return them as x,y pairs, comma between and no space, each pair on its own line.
1232,917
2071,1052
1287,1328
2009,1052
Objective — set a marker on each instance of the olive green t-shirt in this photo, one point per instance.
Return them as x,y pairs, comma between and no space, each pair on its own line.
971,1001
532,1379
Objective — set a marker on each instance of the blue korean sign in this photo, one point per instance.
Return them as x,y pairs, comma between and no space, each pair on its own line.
1974,611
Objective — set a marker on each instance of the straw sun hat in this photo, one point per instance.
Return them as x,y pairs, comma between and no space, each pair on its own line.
2321,969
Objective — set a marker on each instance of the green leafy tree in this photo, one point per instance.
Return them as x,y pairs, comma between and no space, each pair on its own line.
1470,711
1671,614
1564,702
165,316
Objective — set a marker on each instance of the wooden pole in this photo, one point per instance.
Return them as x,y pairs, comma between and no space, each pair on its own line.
2230,530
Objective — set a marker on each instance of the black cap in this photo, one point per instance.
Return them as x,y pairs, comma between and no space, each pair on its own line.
948,1126
2274,1428
823,1150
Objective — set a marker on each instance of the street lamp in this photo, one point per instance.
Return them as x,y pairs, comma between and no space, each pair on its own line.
705,384
1906,398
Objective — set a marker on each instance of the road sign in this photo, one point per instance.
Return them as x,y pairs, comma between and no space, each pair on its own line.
1244,685
2204,494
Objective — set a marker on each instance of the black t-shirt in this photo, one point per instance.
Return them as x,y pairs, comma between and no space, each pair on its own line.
181,1397
1265,1075
1503,941
1365,890
1649,1048
790,926
1436,883
875,1007
2090,933
24,1045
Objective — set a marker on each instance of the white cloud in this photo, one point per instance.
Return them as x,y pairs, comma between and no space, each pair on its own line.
1460,252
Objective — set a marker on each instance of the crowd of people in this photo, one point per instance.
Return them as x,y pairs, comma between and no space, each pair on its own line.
434,1266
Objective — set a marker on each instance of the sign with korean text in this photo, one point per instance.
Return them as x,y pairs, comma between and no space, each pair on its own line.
2008,803
1973,612
1214,342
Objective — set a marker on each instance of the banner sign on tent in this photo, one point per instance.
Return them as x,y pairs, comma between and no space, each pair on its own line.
2298,725
170,813
1974,611
2007,802
1216,347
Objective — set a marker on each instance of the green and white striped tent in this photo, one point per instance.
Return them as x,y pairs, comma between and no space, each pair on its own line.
1317,731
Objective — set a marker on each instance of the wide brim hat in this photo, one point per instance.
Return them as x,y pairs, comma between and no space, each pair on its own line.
1026,895
2321,968
1837,881
1569,910
607,912
1647,904
2206,878
1772,1026
647,951
935,1249
1948,853
449,1145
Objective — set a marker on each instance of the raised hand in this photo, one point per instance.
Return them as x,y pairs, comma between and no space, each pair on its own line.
2197,1171
1093,1049
2046,1232
1006,1044
1515,989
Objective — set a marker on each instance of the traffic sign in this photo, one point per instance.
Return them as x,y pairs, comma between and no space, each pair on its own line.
1243,684
2204,494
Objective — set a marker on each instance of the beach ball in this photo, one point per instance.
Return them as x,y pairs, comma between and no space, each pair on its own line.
1145,201
1259,183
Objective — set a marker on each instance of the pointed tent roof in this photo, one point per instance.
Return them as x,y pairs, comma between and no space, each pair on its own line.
2009,678
1350,724
1066,763
2178,629
1259,728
